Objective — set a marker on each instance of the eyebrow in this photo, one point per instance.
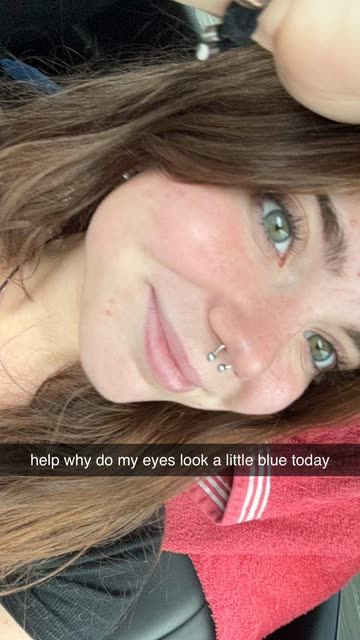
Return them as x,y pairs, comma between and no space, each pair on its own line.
333,235
336,249
354,337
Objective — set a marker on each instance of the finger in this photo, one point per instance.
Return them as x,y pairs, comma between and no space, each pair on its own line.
316,48
215,8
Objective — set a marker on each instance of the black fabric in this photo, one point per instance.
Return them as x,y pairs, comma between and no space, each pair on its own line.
88,600
56,36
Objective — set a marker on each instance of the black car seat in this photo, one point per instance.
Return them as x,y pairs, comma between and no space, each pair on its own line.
53,36
172,607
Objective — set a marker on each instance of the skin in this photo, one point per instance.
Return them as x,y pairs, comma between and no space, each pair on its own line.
216,277
316,49
314,45
9,628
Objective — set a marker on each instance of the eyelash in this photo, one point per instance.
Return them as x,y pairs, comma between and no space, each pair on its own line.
298,237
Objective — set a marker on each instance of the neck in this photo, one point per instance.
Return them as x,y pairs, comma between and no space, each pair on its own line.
39,335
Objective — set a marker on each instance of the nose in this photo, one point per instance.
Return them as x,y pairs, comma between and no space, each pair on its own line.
253,341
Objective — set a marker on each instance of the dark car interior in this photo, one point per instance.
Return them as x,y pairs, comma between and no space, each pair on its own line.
54,36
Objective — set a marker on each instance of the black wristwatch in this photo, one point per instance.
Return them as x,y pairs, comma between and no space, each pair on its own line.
239,23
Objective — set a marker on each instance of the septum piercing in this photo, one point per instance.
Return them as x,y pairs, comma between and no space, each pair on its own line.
212,355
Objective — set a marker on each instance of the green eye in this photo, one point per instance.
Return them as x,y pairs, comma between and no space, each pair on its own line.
322,351
282,228
277,226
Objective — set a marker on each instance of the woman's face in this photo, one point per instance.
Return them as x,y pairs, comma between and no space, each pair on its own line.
214,265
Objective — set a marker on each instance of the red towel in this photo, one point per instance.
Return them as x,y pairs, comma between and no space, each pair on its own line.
268,549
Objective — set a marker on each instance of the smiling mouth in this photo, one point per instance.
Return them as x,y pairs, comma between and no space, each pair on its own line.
159,355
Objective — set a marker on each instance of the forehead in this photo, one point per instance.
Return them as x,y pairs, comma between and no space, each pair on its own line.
348,205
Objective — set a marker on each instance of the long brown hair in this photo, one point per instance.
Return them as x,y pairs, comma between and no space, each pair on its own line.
227,122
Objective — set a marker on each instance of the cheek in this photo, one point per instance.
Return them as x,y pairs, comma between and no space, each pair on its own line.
198,231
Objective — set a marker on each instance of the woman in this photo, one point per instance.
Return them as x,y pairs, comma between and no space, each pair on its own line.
218,234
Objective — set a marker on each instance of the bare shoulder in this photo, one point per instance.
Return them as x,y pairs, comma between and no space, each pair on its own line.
9,628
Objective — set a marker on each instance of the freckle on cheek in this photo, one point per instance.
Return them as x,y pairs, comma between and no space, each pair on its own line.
108,312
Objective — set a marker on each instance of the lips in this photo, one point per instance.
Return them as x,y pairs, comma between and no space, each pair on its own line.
166,355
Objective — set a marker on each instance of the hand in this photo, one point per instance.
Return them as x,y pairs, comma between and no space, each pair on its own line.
316,49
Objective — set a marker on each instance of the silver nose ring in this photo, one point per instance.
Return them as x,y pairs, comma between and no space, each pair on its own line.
213,354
